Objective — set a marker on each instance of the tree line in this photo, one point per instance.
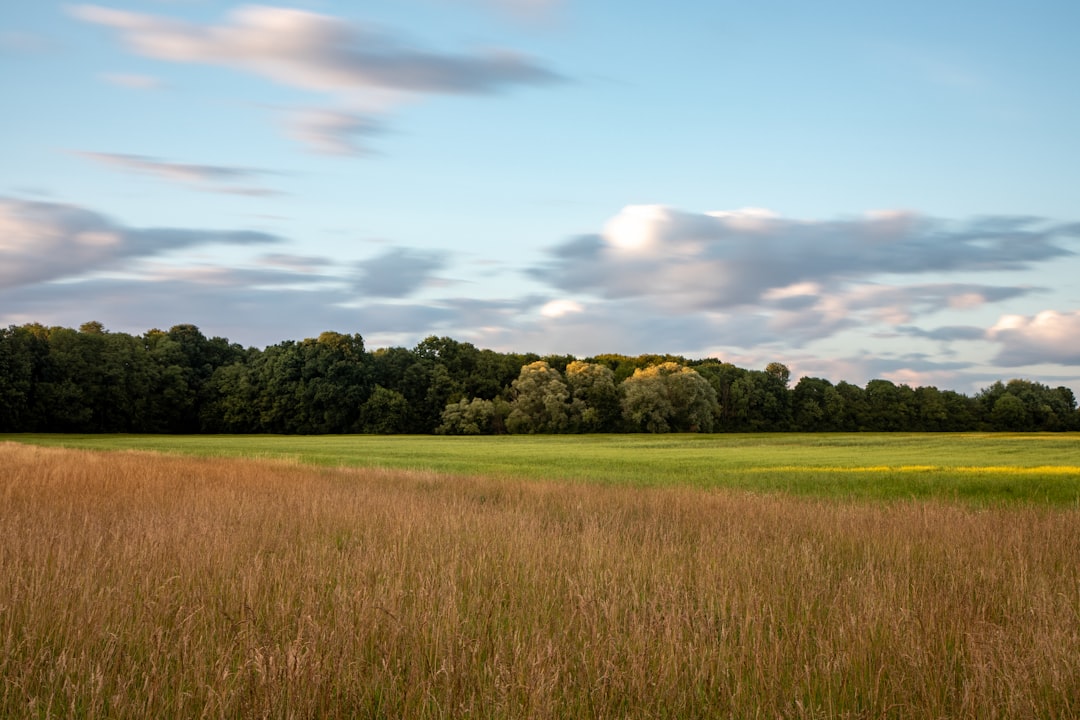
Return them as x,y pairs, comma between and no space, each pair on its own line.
90,380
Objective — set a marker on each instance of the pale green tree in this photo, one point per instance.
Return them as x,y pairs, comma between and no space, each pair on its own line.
473,417
669,398
541,401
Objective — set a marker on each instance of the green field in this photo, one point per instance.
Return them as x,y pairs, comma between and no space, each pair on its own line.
976,467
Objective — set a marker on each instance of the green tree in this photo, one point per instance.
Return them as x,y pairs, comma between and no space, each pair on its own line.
1009,413
541,401
669,398
854,410
889,406
386,412
722,377
23,355
594,398
809,400
233,407
472,417
761,402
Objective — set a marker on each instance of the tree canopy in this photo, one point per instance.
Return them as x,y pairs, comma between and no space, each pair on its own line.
56,379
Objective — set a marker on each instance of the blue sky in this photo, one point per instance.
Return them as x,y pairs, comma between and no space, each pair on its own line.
858,190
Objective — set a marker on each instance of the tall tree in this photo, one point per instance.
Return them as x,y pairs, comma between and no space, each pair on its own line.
594,398
669,398
541,401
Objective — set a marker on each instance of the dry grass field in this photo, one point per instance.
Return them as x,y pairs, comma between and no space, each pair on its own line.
135,585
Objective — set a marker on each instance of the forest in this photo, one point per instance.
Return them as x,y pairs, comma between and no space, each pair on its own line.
90,380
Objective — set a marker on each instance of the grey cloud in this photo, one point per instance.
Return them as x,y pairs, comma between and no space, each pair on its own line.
204,177
914,369
631,327
398,272
297,263
42,241
931,297
317,52
808,316
256,315
946,333
808,324
709,261
415,319
331,132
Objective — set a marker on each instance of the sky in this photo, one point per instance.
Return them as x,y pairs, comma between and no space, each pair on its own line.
858,190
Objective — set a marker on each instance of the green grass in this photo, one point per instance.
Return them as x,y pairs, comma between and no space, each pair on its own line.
975,467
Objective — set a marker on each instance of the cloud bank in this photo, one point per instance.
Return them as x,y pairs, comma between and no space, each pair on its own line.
708,261
318,52
42,241
777,309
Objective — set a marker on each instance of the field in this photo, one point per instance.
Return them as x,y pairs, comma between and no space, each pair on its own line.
613,577
979,468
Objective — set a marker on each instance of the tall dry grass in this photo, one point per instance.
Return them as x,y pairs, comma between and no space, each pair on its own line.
134,585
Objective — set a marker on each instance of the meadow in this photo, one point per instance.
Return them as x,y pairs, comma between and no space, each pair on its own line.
975,467
193,584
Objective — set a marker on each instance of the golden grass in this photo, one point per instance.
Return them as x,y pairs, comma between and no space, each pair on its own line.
135,585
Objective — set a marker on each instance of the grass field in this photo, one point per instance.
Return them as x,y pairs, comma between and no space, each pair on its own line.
142,585
981,468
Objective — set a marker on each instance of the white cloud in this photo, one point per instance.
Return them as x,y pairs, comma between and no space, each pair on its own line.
317,52
559,308
635,228
1048,337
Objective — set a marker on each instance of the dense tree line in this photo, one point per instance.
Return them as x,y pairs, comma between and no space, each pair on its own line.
55,379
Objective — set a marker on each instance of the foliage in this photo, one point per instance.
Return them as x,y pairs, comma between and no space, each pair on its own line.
669,397
594,404
55,379
541,401
473,417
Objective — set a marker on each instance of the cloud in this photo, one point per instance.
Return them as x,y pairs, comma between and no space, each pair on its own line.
398,272
807,312
1050,337
946,333
209,178
305,264
246,309
331,132
708,261
42,241
317,52
558,308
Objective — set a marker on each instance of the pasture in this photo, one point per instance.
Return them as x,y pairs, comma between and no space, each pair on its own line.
629,577
974,467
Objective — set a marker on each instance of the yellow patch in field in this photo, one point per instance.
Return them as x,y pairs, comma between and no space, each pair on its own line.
1040,470
987,469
